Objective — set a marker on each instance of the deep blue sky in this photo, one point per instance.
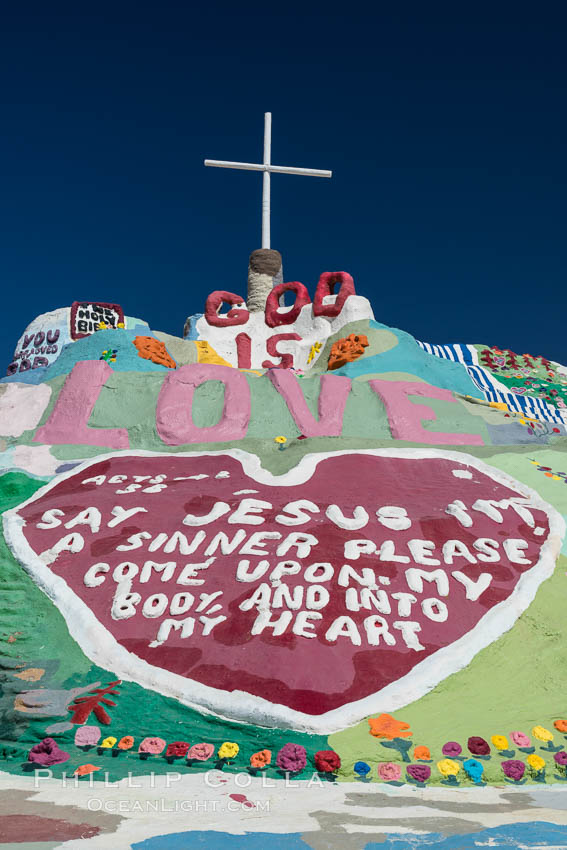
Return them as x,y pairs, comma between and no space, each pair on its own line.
444,125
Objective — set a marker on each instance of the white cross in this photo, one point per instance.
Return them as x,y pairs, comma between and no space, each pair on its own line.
268,168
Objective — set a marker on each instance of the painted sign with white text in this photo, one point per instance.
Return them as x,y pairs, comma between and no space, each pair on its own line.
289,600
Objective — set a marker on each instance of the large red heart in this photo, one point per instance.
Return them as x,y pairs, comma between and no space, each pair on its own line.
330,664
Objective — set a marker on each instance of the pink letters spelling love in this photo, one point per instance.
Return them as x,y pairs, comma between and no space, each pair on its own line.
68,422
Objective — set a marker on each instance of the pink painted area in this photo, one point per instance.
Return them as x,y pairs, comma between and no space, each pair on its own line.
233,317
405,417
312,675
286,359
274,316
326,286
331,404
73,408
174,421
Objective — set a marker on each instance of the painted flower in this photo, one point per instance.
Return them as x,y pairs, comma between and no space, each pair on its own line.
361,768
108,743
422,753
200,752
536,762
327,761
560,725
85,769
152,746
478,746
448,767
292,758
542,734
261,759
520,739
228,750
87,736
177,749
418,772
386,726
280,440
47,752
513,769
389,772
560,758
126,743
474,769
500,742
452,749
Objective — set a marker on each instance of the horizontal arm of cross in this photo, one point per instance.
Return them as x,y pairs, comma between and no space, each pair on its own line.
277,169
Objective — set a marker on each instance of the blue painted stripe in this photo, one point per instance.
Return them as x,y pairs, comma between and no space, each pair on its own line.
535,408
534,834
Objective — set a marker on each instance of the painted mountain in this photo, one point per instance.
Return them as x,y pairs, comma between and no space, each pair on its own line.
290,529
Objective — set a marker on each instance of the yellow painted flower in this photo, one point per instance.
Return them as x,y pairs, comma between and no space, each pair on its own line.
542,734
536,762
121,325
448,767
108,742
101,326
280,440
315,349
228,750
500,742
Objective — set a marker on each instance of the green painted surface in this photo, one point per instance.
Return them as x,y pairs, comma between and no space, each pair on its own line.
40,639
516,683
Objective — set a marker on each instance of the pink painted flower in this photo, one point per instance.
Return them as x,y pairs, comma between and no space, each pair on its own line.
292,758
520,739
513,769
152,746
451,749
389,772
47,752
419,772
200,752
87,736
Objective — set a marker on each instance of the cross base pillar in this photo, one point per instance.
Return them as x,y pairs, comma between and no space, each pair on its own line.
264,272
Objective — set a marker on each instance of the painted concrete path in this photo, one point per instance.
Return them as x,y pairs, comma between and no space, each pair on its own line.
237,811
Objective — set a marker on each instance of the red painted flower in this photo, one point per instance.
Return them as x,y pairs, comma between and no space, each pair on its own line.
177,749
478,746
327,761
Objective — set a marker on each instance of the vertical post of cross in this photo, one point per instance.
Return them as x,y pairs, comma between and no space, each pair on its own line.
266,181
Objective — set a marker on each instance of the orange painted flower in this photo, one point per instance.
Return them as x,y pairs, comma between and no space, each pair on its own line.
422,752
261,759
560,725
126,743
154,350
85,769
387,726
